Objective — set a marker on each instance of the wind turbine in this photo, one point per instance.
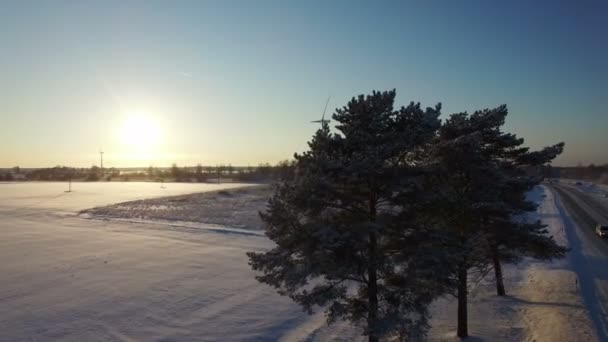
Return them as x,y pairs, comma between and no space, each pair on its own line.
323,121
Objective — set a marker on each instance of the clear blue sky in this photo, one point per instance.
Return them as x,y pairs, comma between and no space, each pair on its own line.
239,81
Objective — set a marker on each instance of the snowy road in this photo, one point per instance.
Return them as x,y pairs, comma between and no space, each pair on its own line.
589,255
71,279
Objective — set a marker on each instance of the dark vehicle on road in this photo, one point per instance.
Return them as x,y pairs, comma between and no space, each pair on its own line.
601,230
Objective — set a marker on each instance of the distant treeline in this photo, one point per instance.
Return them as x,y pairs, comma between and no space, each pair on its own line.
262,173
592,173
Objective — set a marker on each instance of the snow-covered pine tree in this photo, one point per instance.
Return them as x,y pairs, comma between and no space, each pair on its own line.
463,176
335,223
510,236
482,176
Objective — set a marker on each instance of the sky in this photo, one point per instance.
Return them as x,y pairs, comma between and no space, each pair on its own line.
238,82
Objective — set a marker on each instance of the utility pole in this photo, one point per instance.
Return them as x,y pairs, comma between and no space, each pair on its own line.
101,156
70,175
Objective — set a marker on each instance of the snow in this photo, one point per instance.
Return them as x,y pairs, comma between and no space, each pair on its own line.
72,278
73,283
598,191
543,302
26,196
558,310
491,318
589,259
235,208
68,278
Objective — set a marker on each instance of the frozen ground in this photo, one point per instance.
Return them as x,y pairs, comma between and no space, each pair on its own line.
68,278
73,279
24,197
543,302
234,208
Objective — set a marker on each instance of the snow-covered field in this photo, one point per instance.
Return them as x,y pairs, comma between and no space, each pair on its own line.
234,208
73,279
23,196
65,277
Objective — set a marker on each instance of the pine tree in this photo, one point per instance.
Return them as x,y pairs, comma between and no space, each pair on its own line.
510,236
462,178
482,176
345,238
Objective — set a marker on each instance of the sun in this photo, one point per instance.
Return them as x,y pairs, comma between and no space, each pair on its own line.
140,132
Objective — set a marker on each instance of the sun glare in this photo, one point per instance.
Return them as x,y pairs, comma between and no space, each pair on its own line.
140,132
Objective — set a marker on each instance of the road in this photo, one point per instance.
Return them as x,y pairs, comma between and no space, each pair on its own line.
582,210
587,209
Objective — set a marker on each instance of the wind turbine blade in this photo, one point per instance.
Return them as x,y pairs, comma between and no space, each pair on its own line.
325,109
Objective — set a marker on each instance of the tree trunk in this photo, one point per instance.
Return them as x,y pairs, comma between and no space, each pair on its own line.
500,285
372,290
463,330
372,286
